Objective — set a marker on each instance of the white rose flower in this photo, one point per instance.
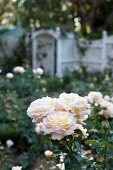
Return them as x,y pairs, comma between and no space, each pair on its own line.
60,117
38,128
17,168
110,110
107,109
107,98
48,153
40,108
59,124
18,69
9,143
78,106
9,75
0,70
95,96
39,71
104,113
103,103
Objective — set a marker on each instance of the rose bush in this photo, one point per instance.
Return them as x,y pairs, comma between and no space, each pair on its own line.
93,151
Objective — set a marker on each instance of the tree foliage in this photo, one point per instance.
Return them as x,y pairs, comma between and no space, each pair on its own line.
94,15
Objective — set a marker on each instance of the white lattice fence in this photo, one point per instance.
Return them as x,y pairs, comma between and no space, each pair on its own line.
99,52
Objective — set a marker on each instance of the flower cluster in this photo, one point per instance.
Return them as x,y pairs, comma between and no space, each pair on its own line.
61,116
39,71
105,102
18,69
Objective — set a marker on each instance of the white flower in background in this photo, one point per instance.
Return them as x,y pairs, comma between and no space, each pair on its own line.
9,143
77,105
18,69
92,85
44,89
107,98
104,102
107,77
0,70
94,96
110,110
40,108
38,128
59,124
107,112
16,168
1,148
104,113
48,153
9,75
39,71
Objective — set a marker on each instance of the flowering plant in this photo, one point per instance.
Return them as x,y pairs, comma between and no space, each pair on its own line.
18,69
100,125
63,119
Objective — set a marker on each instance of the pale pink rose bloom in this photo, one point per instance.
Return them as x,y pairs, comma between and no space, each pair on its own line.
18,69
39,71
107,109
104,113
107,98
77,105
103,103
89,99
39,108
48,153
110,110
95,96
59,124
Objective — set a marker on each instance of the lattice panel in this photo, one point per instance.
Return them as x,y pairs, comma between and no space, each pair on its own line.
93,54
109,54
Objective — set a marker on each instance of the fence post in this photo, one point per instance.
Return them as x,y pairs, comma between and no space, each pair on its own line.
104,40
59,57
34,48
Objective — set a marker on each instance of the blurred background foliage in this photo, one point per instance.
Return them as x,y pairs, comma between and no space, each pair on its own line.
94,16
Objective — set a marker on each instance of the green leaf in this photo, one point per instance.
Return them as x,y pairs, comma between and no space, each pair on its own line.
92,142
